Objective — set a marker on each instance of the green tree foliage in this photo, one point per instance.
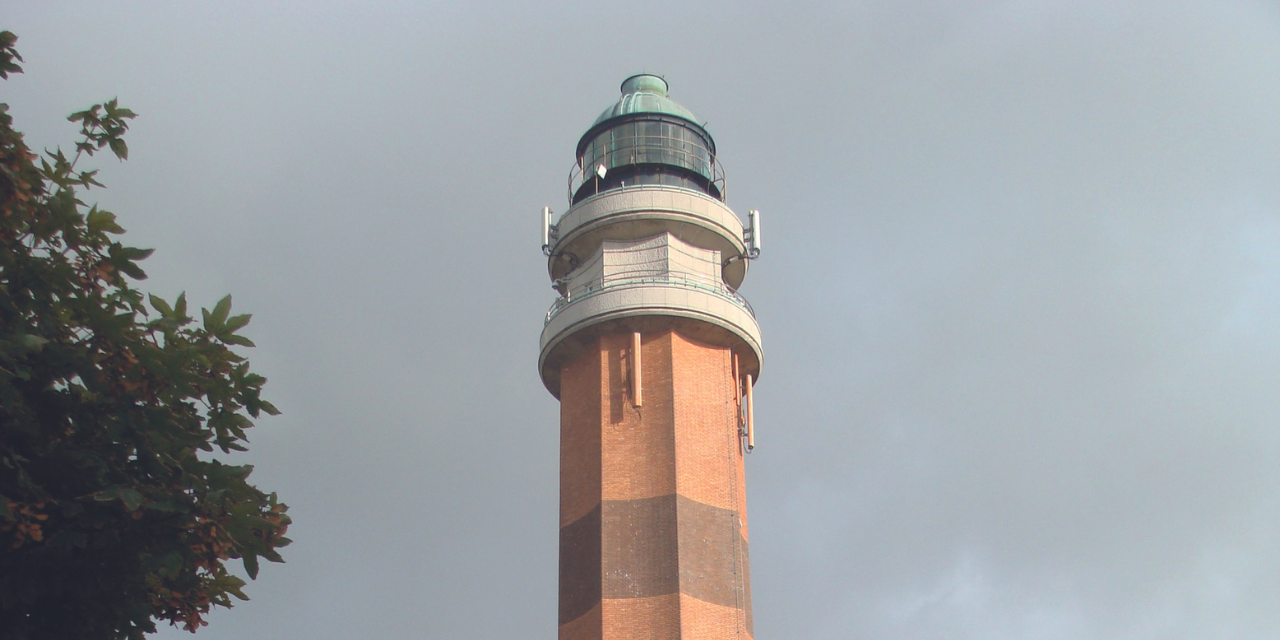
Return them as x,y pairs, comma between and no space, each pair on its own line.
113,512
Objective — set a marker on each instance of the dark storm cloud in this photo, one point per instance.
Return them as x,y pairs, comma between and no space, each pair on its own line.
1020,294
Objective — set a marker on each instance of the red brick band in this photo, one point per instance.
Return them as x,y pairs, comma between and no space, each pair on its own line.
653,539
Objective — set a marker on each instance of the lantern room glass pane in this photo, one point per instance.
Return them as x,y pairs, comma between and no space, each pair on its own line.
654,151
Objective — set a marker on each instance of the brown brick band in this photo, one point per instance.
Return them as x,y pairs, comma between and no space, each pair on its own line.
588,626
580,566
713,555
652,547
640,558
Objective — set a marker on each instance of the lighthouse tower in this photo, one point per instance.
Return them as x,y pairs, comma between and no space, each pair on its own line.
652,353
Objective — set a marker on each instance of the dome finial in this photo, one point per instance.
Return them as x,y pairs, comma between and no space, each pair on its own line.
646,82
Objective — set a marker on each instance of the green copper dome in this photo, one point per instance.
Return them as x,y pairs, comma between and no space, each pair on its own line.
645,93
645,139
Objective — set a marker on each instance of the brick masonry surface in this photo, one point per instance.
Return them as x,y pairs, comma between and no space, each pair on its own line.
653,539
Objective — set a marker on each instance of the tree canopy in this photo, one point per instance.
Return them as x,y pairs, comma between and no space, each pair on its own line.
114,512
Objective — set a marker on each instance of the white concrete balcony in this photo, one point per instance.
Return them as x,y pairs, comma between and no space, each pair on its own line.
709,312
633,213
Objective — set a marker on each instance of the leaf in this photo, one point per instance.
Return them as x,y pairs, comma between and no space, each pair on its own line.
65,540
86,179
239,340
119,148
130,269
160,305
132,253
167,507
4,508
251,565
222,309
33,343
100,220
8,54
122,258
236,323
131,499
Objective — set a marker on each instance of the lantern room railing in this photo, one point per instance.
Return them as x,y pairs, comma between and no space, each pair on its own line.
697,162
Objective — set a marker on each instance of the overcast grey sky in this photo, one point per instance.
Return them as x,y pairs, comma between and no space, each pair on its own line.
1020,293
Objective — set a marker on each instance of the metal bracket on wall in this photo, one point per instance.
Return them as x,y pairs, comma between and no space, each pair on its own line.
751,235
635,369
550,234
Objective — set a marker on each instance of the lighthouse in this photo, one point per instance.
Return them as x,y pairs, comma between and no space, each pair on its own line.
652,353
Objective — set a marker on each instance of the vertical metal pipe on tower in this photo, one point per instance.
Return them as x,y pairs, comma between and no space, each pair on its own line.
653,525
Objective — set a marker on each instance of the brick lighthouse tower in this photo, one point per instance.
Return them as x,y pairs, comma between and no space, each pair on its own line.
652,354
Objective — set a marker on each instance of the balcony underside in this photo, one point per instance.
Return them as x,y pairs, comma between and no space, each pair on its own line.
711,317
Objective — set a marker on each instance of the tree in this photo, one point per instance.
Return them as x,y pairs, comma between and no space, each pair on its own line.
113,511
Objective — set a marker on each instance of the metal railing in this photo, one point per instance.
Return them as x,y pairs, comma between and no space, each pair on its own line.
669,279
709,167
